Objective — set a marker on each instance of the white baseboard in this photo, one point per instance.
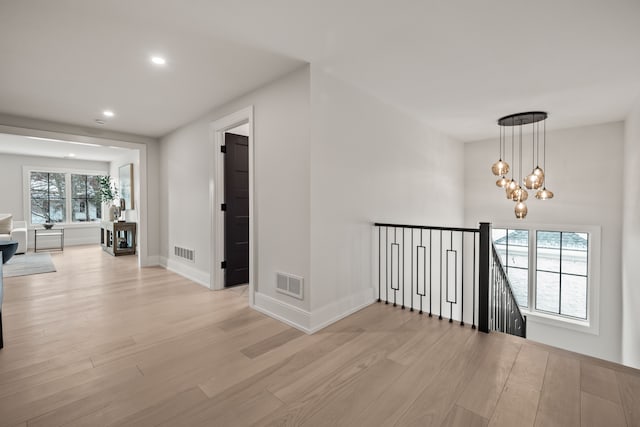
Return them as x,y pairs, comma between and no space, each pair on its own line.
331,313
311,322
282,311
193,274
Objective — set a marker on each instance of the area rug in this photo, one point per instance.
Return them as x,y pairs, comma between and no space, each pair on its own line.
24,265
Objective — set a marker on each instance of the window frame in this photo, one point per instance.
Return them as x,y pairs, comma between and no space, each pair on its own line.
86,197
591,323
68,222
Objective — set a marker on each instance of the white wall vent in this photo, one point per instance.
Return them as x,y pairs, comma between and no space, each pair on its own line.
184,253
289,284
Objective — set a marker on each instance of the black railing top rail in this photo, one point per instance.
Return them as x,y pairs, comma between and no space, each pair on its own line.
427,227
498,261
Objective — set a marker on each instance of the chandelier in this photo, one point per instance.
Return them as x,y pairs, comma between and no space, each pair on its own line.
516,190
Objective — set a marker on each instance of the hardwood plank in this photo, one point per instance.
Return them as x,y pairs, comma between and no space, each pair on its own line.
167,409
560,397
461,417
598,412
29,404
228,412
529,368
629,386
599,381
517,406
483,391
270,343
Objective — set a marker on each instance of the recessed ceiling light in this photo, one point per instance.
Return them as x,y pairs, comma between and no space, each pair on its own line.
108,113
71,155
158,60
100,121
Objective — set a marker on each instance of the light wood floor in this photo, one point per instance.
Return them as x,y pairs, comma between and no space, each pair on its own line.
100,342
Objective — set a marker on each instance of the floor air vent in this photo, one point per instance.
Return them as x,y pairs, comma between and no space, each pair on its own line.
184,253
289,285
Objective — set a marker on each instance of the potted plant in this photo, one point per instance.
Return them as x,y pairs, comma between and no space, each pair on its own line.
108,194
48,225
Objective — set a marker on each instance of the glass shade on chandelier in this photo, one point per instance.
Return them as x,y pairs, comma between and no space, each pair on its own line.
500,168
516,187
544,194
534,180
510,188
521,210
519,195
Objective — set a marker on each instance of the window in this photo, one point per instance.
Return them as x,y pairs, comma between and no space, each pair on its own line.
550,268
513,247
62,196
48,191
562,273
85,204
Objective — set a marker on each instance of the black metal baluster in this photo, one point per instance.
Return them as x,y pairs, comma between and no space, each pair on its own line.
395,242
473,310
412,271
430,270
403,274
424,272
386,272
462,284
379,262
440,314
483,277
455,277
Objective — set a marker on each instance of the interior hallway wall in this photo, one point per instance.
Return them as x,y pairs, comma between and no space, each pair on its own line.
631,241
369,162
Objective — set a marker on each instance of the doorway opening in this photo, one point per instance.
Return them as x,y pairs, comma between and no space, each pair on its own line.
232,176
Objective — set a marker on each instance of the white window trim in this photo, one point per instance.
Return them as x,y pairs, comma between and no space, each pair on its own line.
26,185
592,324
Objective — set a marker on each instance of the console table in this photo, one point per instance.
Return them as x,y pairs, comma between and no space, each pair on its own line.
118,238
57,232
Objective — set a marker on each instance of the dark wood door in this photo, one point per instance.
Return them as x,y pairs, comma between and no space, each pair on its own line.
236,194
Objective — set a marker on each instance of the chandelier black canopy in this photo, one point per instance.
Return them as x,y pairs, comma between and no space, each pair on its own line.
516,190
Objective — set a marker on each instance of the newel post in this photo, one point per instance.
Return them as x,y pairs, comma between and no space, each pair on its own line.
483,277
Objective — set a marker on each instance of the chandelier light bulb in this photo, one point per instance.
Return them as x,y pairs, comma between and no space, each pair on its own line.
544,194
520,195
502,182
530,181
540,174
500,168
521,210
510,188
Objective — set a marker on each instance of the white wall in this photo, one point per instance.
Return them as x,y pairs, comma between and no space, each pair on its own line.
631,242
369,162
12,193
584,170
281,135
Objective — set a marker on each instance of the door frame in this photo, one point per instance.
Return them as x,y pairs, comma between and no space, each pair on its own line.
216,198
140,186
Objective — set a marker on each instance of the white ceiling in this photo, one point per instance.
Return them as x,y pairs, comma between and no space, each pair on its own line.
17,144
457,65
